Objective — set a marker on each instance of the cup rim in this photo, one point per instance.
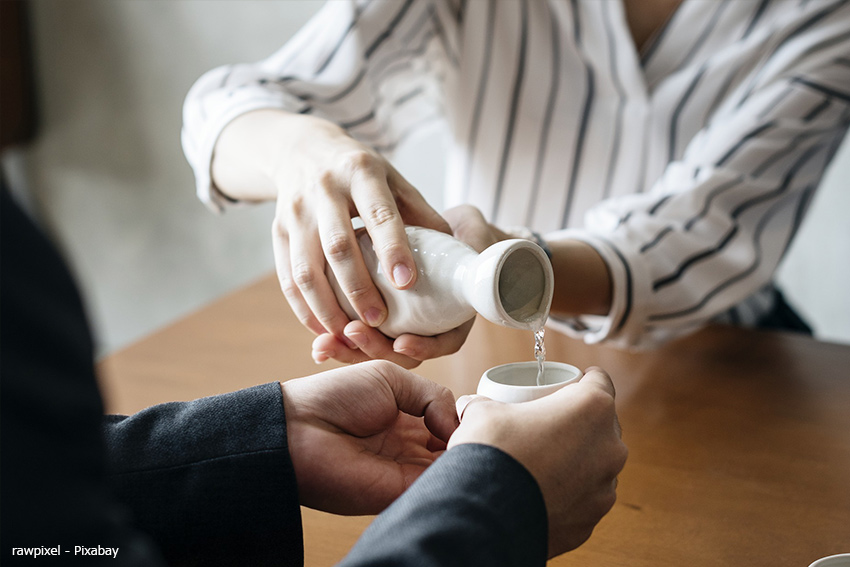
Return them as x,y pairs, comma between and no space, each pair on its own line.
827,561
576,372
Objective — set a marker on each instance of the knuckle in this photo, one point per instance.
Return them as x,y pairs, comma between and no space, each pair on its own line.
289,289
381,214
327,181
304,276
360,159
358,292
339,247
394,251
468,210
298,205
333,322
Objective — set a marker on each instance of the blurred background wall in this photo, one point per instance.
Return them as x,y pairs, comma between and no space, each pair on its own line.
107,174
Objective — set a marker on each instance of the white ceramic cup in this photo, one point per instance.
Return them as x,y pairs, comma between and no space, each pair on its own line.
517,381
842,560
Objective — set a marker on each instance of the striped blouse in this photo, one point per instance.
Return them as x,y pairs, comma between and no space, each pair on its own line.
688,166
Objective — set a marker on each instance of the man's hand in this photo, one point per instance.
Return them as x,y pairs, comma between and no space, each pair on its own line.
571,443
359,436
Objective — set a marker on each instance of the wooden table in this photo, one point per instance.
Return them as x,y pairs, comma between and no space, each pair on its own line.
739,441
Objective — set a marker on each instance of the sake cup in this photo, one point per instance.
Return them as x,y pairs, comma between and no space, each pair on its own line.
842,560
517,381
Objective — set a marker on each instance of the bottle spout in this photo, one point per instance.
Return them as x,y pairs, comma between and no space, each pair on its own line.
512,284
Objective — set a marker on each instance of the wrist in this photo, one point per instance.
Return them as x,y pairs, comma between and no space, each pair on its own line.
300,142
583,282
245,156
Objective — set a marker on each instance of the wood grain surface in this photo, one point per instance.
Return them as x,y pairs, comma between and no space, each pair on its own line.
739,440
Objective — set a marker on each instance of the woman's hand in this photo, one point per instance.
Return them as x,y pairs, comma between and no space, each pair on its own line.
467,224
360,435
322,178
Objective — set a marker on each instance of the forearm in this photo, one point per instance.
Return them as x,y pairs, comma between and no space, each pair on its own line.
582,279
258,151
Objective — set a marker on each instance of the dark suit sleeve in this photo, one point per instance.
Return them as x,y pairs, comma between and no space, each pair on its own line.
207,482
210,480
474,506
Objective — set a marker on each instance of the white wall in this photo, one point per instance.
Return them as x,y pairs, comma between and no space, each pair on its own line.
107,170
108,173
815,275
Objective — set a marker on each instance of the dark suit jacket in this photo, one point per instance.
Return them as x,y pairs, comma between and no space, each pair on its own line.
207,482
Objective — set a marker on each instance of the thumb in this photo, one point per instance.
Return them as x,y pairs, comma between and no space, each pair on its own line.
596,377
463,402
420,397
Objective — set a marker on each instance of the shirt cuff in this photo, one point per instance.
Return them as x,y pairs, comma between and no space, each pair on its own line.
623,326
199,136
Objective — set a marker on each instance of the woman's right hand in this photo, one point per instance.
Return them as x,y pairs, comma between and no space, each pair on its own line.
322,178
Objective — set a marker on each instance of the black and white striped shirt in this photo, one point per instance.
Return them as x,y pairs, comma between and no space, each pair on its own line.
688,166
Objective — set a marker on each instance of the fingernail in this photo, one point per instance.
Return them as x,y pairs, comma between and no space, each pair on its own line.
407,351
359,338
460,405
374,316
401,275
321,356
463,402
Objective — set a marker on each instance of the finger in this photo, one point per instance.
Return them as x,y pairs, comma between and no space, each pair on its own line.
307,263
597,378
343,254
464,401
377,208
280,247
412,206
436,445
424,348
417,396
470,226
326,346
617,427
376,345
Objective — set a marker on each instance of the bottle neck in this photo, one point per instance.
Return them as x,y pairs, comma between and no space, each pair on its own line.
511,284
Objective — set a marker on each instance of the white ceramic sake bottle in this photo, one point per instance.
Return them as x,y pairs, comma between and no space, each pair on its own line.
510,283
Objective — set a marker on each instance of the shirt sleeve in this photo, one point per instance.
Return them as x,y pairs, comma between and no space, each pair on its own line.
712,230
474,506
374,68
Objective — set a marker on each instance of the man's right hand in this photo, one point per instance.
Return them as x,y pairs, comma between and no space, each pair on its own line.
570,441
